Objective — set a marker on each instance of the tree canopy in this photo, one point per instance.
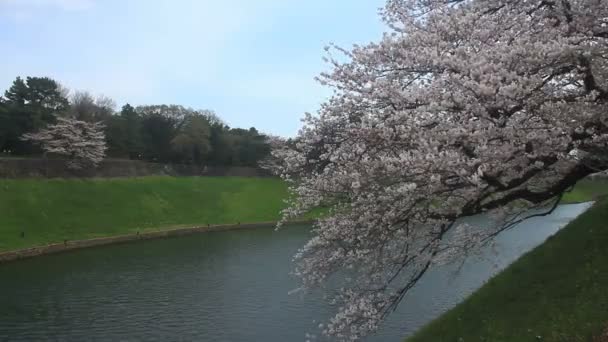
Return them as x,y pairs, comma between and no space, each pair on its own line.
463,107
28,106
83,143
157,133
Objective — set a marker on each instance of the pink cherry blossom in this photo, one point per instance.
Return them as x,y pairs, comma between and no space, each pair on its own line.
82,142
463,107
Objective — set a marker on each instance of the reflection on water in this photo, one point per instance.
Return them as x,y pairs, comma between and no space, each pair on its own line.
223,286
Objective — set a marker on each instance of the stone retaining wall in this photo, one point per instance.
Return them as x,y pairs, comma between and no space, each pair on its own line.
56,168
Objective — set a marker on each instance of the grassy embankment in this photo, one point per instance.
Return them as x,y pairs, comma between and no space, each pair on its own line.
558,292
49,211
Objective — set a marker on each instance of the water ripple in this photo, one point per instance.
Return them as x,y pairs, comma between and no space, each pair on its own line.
224,286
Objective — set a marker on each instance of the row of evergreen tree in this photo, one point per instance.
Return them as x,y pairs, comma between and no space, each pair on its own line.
158,133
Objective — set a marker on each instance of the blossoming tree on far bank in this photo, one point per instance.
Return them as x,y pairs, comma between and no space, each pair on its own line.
82,142
463,107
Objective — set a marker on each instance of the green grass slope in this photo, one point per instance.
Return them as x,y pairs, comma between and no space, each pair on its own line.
587,190
557,292
50,211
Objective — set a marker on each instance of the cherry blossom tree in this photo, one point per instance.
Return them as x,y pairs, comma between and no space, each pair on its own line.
273,162
463,107
82,142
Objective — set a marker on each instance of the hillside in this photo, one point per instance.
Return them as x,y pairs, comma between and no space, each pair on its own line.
557,292
48,211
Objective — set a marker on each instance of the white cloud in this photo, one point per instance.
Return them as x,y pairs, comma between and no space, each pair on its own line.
34,5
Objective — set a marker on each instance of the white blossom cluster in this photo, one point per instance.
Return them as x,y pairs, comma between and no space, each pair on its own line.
82,142
273,163
464,107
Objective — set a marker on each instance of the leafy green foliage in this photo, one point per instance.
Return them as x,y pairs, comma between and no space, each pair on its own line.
157,133
117,136
132,131
191,142
29,106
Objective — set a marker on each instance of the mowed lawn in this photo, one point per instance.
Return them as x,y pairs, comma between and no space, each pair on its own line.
55,210
558,292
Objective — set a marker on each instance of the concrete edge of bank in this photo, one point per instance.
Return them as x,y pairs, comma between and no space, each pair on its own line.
69,245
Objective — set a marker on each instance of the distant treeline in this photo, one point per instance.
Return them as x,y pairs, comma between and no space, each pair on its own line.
158,133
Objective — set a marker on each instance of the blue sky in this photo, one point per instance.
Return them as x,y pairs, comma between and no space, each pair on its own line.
251,61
